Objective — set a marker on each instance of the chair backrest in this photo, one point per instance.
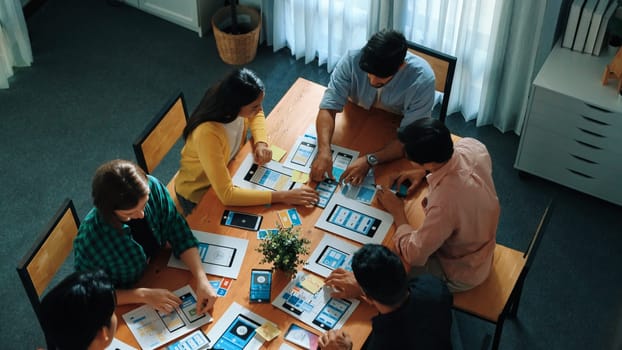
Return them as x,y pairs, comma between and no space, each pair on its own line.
444,66
48,253
161,134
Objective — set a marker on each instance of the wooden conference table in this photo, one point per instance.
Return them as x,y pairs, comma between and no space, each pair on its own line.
356,128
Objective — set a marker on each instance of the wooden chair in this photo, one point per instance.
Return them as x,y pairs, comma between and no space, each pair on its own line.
48,253
160,136
498,297
444,66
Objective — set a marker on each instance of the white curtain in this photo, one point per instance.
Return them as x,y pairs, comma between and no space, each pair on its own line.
495,41
15,50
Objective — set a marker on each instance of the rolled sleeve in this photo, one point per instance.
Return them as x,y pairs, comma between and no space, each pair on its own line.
336,94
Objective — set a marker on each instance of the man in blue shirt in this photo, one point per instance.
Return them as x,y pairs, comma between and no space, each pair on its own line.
383,74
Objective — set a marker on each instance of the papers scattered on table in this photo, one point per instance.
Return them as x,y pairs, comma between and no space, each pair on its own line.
119,345
271,176
220,255
351,219
365,192
301,155
331,253
153,329
237,326
319,310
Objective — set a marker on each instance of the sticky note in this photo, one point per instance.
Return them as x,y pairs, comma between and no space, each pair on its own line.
277,153
300,177
312,283
268,331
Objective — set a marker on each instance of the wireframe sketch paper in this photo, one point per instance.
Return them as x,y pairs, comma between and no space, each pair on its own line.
119,345
301,155
331,253
365,192
220,255
237,329
153,329
352,219
318,310
271,176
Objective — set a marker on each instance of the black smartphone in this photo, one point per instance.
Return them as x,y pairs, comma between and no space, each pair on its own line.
261,286
402,192
241,220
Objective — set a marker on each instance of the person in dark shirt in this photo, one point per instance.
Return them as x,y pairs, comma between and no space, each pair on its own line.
413,314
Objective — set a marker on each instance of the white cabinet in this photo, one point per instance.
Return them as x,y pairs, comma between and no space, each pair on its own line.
572,132
192,14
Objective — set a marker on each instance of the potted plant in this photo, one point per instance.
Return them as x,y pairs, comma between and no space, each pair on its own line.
236,30
284,249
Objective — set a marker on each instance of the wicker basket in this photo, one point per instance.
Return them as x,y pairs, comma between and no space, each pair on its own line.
236,49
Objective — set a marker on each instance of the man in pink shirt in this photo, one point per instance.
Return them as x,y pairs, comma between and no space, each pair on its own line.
456,240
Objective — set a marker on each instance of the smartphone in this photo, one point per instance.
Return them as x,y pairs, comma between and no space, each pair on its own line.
302,337
261,285
402,192
241,220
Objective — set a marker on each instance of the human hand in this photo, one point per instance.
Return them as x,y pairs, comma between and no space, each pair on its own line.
322,167
304,195
414,177
355,172
344,283
160,299
393,204
335,340
262,153
206,296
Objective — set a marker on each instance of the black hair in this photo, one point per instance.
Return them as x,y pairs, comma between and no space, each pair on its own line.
222,102
118,185
384,53
380,273
77,308
427,140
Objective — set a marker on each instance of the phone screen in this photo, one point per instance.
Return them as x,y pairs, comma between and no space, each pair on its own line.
241,220
341,162
333,258
331,313
238,334
171,320
301,337
303,153
189,307
261,284
354,221
325,190
268,178
214,254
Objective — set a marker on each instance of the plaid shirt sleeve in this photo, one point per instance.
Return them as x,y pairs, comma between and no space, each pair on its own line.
166,222
100,246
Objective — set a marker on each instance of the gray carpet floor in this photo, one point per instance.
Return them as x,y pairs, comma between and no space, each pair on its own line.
101,73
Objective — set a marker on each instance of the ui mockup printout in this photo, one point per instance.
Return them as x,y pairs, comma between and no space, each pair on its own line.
220,255
272,176
319,310
354,220
153,329
237,329
330,254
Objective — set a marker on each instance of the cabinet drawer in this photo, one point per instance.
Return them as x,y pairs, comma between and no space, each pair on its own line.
566,151
562,107
577,128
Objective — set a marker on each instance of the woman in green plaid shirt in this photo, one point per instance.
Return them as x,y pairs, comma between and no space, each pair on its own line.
134,216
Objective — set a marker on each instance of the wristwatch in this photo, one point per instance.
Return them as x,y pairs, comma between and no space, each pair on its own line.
372,160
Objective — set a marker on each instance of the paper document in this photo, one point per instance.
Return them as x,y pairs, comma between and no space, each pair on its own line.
153,329
331,253
237,329
271,176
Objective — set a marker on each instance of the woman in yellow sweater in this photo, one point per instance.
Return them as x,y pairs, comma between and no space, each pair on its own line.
215,133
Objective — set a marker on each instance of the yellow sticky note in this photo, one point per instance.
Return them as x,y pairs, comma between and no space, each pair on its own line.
300,177
312,283
277,153
268,331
